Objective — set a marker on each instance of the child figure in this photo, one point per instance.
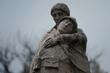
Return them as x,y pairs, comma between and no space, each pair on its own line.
66,26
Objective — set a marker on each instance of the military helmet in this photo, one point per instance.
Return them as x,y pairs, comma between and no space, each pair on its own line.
61,6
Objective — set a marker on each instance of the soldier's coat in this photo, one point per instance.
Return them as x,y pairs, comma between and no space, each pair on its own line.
55,60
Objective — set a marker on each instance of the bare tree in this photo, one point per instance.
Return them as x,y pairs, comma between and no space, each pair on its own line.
10,51
95,66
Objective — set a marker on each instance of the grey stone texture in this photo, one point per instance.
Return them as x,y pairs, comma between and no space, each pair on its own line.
62,49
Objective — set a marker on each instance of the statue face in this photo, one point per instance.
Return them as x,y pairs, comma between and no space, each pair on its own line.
65,27
58,15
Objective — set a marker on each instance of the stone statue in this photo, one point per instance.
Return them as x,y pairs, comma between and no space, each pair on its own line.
63,49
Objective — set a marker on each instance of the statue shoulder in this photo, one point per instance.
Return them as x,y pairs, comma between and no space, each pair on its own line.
80,31
83,38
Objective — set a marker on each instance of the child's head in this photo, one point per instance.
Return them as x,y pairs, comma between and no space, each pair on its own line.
67,25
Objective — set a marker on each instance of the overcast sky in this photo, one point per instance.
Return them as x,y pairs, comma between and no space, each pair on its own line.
33,16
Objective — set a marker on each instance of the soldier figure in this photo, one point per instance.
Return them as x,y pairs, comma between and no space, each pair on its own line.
63,49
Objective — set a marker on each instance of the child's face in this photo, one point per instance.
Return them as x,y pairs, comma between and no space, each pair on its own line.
65,27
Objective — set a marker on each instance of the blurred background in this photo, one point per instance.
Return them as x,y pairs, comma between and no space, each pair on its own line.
24,22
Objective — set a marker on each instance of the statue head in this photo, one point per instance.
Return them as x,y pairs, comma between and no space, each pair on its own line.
58,11
67,25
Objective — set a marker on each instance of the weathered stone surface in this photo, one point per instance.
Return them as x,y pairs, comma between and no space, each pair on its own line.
63,49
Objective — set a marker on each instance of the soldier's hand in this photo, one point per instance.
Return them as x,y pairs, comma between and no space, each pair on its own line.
48,43
58,38
77,36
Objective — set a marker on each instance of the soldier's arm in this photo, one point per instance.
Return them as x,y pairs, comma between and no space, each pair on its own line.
63,38
78,37
71,37
49,41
